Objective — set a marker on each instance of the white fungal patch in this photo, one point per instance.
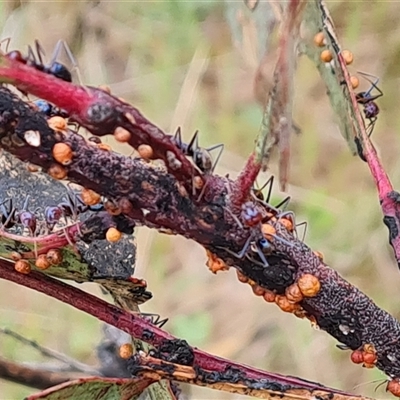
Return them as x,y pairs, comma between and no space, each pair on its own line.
32,138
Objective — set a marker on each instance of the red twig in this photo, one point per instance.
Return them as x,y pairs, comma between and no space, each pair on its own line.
135,325
100,112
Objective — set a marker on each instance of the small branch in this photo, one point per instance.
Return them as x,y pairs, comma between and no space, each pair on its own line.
101,113
72,364
138,327
230,380
32,377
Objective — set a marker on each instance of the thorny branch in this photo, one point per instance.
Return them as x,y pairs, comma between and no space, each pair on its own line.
207,210
338,307
170,347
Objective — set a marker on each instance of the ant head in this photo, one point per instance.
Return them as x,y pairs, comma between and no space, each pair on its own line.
202,158
43,106
60,71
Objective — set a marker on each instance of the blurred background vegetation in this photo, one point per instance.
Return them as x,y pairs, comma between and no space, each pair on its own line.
178,62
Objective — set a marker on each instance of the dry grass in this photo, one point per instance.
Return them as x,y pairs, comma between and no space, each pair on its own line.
175,61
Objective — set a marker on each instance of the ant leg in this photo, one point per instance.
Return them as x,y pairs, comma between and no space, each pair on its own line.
178,138
251,259
236,219
241,253
31,56
221,149
193,144
262,256
284,241
39,51
269,182
284,203
305,224
74,63
371,125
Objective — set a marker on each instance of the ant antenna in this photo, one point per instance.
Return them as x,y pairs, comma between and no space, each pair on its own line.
373,85
7,41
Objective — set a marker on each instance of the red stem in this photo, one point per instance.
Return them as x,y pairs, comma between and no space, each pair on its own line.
135,325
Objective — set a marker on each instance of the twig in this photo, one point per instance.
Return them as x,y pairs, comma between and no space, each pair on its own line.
138,327
33,377
70,362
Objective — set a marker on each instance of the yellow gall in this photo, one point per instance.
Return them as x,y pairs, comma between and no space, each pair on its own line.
269,296
319,39
370,358
357,357
90,197
62,153
57,123
284,304
198,182
112,208
242,278
42,262
126,351
293,293
122,135
15,256
319,255
54,256
113,235
258,290
105,88
267,231
145,151
347,57
103,146
354,82
366,365
326,56
393,387
214,263
57,171
23,267
309,285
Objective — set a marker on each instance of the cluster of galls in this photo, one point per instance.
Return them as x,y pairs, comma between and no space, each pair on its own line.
307,285
367,356
326,56
42,262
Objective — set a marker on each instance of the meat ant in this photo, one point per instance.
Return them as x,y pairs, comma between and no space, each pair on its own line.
35,59
370,108
201,157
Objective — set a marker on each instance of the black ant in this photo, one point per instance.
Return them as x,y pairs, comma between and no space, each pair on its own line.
370,108
54,68
48,109
258,195
201,156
